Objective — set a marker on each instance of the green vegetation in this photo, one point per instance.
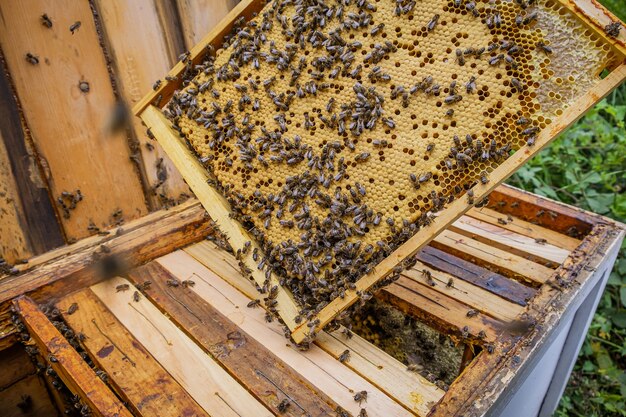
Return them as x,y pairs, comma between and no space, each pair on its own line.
586,167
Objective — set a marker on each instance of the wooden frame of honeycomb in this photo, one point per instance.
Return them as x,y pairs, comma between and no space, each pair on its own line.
573,82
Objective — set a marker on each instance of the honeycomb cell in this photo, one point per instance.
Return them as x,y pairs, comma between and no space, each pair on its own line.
333,138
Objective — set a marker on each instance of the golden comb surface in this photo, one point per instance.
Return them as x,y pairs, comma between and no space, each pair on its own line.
337,128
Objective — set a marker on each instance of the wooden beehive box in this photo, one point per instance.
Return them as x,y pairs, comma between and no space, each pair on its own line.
374,191
178,350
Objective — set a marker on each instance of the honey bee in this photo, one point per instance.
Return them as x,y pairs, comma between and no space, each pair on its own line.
360,397
472,313
46,21
345,356
32,59
283,405
72,308
74,27
122,287
136,296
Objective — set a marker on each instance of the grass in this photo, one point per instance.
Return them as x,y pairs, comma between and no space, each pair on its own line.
586,167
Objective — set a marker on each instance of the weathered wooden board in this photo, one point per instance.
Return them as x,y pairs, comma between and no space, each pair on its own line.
28,221
147,388
259,370
524,228
201,376
484,278
68,269
67,363
198,17
69,127
492,257
140,54
320,369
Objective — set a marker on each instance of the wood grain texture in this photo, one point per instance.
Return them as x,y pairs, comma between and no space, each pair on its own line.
68,126
524,228
201,376
67,363
491,281
147,388
217,207
491,257
140,53
68,269
321,370
259,370
27,217
198,17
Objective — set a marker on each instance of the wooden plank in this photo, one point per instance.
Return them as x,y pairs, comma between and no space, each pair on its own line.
466,293
408,388
139,50
259,370
198,17
510,241
492,257
15,365
245,8
143,384
170,22
217,207
508,289
71,268
28,397
203,378
524,228
320,369
15,243
438,310
26,200
78,151
67,363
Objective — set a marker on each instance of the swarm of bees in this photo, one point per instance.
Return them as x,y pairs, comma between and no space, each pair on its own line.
336,134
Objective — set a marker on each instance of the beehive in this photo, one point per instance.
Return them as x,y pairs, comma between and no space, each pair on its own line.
337,129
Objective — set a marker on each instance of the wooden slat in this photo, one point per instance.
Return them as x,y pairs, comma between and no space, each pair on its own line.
27,217
371,363
492,257
217,206
68,269
260,371
203,378
499,237
145,386
245,8
67,363
68,126
438,310
525,228
320,369
484,278
198,17
138,45
390,375
466,293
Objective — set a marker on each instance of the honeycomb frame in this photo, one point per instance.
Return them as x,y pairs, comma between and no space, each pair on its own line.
219,209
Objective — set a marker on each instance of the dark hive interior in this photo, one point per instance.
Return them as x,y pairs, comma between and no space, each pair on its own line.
336,128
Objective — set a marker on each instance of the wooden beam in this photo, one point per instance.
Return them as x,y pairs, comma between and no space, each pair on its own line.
138,45
198,17
69,126
255,367
27,214
524,228
141,381
67,363
217,207
201,376
74,267
321,370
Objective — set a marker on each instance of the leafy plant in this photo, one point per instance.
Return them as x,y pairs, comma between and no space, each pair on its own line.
586,167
